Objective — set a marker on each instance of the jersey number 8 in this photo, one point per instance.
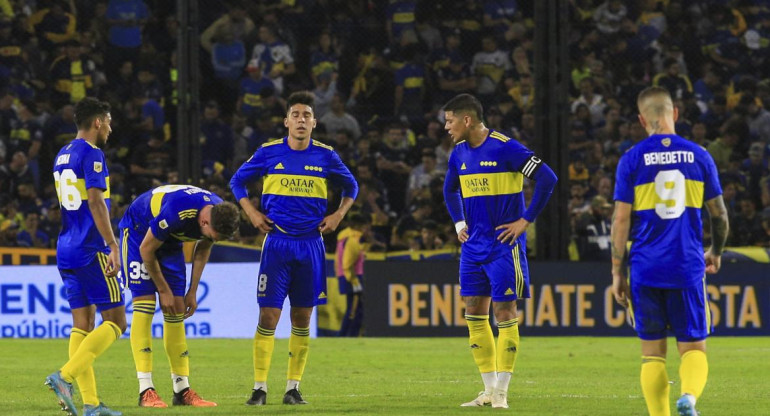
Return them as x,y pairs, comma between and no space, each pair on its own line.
670,186
69,195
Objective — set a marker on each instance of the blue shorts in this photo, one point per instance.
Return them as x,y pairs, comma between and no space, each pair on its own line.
171,265
89,285
292,266
684,311
505,278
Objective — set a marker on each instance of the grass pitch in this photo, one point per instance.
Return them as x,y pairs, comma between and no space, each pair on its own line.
554,376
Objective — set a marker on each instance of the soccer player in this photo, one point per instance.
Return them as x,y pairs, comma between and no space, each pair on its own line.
87,256
296,171
152,232
662,185
483,193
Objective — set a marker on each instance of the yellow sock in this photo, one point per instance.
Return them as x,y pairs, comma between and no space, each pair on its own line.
507,345
655,385
482,342
175,342
91,347
694,370
299,344
141,335
264,343
87,380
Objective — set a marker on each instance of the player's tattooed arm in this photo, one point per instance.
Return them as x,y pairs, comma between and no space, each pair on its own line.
621,225
719,224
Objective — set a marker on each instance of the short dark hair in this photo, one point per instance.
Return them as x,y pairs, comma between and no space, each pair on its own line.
358,220
465,103
225,218
300,97
89,109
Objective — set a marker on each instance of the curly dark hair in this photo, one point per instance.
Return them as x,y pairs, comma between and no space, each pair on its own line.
89,109
225,218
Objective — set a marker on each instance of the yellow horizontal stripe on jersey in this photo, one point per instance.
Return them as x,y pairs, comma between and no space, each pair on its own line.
295,185
403,17
486,184
155,203
413,82
645,196
80,185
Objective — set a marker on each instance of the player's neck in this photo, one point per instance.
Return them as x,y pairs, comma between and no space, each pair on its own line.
478,135
87,135
296,144
660,127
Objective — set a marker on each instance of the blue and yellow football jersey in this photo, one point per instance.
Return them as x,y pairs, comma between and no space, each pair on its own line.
294,191
666,179
490,179
78,167
171,212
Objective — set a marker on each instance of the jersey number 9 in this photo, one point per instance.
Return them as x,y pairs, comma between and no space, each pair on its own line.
671,189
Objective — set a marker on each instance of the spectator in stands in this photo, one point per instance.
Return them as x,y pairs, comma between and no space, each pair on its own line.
454,78
757,117
429,238
673,80
593,231
338,119
72,75
722,148
274,57
410,87
393,165
50,224
489,65
28,199
326,88
408,226
609,15
249,94
150,163
228,57
217,147
236,19
755,167
32,235
595,102
126,19
421,176
151,116
14,173
53,26
747,227
399,17
765,242
325,59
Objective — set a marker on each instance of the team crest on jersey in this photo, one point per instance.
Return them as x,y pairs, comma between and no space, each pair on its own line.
205,198
163,224
666,142
98,167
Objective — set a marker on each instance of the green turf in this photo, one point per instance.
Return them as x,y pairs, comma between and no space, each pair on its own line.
554,376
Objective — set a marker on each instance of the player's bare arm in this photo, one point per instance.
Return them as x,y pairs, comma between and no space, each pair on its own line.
101,215
148,248
621,225
719,229
258,219
201,254
332,221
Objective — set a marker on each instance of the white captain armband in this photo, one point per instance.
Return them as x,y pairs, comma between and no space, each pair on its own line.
459,226
531,166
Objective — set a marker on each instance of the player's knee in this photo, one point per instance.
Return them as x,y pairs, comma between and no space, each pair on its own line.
268,317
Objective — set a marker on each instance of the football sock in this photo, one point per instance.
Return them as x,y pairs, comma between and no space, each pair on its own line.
655,385
175,343
507,349
87,380
260,385
141,341
299,343
92,346
292,384
179,382
693,370
482,343
264,343
145,381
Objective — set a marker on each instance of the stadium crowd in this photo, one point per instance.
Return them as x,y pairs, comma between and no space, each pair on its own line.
380,72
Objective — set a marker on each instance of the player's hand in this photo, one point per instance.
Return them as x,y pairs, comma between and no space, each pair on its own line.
113,264
190,304
713,262
167,303
620,289
261,222
512,230
330,223
462,236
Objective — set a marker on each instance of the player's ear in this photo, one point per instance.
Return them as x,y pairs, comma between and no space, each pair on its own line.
286,122
676,113
643,122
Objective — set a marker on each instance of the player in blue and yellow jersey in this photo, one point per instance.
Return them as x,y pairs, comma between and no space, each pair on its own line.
87,256
663,182
483,193
152,232
296,171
